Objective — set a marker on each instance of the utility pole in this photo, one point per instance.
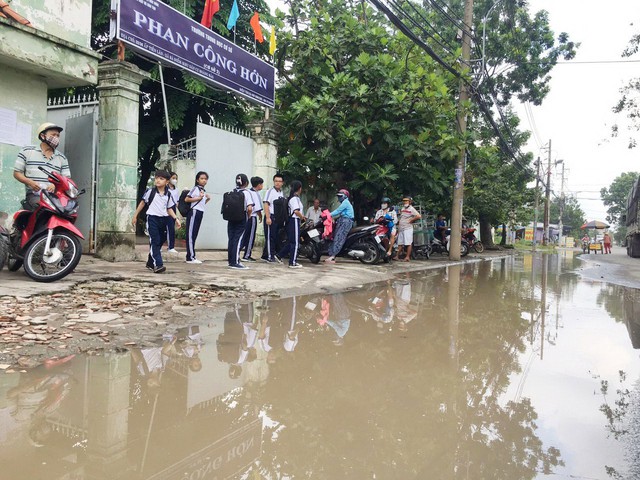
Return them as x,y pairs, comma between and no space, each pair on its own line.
458,183
535,208
545,233
561,205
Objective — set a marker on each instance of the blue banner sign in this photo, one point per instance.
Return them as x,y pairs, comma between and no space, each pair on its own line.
159,31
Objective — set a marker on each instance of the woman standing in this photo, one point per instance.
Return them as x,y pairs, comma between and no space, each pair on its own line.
606,240
293,226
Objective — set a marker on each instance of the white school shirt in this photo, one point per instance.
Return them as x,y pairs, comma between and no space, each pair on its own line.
195,193
160,205
257,202
295,204
175,194
270,196
248,198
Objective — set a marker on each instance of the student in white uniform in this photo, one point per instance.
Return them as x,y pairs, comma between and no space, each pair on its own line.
293,226
252,223
235,230
171,224
197,198
159,211
270,227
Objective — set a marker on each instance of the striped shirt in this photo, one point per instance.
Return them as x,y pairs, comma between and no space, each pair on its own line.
30,158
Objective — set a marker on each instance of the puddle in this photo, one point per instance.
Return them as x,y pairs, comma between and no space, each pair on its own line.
506,369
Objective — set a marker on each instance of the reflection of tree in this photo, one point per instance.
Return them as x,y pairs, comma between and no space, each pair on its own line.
627,311
398,406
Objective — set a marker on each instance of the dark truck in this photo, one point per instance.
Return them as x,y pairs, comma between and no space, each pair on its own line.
632,221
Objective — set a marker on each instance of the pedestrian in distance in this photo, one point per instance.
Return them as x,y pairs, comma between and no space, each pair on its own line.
293,226
171,224
271,227
408,215
606,242
345,217
237,225
441,229
252,223
159,202
314,211
197,198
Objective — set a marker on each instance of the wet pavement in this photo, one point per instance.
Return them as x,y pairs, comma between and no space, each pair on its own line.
513,368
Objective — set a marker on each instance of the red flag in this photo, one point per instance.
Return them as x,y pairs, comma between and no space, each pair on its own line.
257,30
210,9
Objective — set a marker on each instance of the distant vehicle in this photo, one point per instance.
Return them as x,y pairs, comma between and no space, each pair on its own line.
632,221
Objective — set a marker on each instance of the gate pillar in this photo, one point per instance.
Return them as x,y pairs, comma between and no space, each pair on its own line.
119,87
265,152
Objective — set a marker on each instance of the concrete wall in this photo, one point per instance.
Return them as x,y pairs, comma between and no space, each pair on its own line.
28,99
66,19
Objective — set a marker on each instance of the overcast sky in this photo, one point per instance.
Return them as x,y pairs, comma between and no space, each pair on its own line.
576,115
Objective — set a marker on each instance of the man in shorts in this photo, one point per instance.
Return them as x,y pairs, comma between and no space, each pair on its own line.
407,216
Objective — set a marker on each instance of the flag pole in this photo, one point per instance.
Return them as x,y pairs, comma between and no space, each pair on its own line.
234,34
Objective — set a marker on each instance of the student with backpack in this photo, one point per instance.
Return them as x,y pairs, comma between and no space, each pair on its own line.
293,226
197,198
171,224
272,198
249,236
159,211
237,207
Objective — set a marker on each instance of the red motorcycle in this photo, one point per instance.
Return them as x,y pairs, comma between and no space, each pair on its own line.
473,242
45,240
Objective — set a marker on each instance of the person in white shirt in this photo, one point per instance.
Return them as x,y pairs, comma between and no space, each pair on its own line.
252,222
293,226
159,203
197,198
171,224
235,230
271,229
314,211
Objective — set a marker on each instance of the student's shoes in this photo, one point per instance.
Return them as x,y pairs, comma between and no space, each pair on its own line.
194,261
269,260
248,259
295,265
172,250
239,266
277,259
159,269
150,267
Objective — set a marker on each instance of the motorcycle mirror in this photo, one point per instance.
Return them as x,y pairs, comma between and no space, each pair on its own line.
366,219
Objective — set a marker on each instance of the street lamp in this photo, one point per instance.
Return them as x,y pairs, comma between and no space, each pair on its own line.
484,37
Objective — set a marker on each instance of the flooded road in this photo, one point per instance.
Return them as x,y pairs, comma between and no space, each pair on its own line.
505,369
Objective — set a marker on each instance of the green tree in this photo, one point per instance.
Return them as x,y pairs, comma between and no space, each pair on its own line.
572,215
615,197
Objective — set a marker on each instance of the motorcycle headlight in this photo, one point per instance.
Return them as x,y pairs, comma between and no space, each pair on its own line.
46,200
72,191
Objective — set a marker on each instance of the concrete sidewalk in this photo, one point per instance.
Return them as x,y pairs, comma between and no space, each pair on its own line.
261,279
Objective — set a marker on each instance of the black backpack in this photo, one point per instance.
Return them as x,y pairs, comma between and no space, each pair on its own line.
233,206
280,210
183,206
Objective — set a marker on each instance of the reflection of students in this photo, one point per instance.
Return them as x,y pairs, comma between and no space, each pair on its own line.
291,337
405,312
185,343
236,345
150,363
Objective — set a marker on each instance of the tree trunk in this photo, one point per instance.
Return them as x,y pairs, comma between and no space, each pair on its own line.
503,240
485,233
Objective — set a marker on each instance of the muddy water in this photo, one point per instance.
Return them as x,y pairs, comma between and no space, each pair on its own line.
506,369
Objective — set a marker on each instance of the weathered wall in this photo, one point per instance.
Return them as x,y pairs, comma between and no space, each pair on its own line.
27,96
66,19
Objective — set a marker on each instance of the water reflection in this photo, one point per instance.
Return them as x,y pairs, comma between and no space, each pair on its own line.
421,377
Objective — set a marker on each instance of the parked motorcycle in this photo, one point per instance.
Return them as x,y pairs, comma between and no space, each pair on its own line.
362,243
310,237
45,240
473,242
437,246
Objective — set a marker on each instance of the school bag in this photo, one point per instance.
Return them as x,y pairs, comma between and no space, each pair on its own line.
183,206
280,210
233,206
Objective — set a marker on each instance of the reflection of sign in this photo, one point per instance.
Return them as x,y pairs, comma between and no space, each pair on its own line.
528,234
221,459
162,32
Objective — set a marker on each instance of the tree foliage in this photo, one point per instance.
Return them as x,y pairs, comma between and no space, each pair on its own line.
615,197
572,215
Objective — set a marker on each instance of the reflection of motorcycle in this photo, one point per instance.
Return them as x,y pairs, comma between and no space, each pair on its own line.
473,242
309,245
46,240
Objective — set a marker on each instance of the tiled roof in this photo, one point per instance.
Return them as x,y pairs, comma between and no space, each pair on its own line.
6,12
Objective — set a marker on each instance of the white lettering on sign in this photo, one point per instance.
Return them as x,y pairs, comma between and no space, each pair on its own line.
157,29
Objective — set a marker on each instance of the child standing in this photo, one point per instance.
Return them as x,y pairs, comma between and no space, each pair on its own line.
197,198
235,230
293,226
249,236
159,210
171,224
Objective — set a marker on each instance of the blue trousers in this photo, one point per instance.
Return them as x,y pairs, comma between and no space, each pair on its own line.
249,236
157,228
235,232
194,219
343,225
270,238
171,231
293,241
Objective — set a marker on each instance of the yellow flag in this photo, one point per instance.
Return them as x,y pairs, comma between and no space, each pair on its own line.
272,41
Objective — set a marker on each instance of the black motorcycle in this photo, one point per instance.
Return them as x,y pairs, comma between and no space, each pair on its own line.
310,238
437,246
362,243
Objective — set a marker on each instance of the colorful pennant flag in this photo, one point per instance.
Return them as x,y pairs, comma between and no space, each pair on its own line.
210,9
272,41
233,16
257,30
